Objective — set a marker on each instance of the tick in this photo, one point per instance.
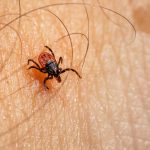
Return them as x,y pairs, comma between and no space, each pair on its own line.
50,66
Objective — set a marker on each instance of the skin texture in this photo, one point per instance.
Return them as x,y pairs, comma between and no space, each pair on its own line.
109,108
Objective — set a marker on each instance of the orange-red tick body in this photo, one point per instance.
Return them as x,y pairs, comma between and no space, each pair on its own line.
44,58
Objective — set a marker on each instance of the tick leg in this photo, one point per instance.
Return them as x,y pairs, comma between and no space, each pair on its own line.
47,78
31,60
40,69
70,69
60,60
50,50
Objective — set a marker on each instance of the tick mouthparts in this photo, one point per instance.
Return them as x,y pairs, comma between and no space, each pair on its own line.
58,79
80,77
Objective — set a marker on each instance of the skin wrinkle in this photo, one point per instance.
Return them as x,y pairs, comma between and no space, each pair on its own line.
141,97
100,133
60,144
88,126
80,123
146,78
126,99
62,108
102,72
11,52
145,68
19,22
65,122
138,86
139,90
107,101
117,62
127,102
96,59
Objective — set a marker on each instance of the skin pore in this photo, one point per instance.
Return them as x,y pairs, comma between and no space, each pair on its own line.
108,108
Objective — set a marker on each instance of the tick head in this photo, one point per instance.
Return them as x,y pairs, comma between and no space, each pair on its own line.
58,79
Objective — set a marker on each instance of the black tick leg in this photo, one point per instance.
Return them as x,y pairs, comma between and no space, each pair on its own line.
39,69
50,50
70,69
31,60
47,78
60,60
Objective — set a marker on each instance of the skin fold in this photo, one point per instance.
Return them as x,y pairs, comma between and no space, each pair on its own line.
109,108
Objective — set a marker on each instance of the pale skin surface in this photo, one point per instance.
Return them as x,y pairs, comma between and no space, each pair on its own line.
109,108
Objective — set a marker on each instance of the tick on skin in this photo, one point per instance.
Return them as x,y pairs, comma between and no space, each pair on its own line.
50,66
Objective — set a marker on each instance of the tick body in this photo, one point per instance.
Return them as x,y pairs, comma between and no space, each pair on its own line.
50,66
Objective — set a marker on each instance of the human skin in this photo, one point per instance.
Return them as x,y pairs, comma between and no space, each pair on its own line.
109,108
